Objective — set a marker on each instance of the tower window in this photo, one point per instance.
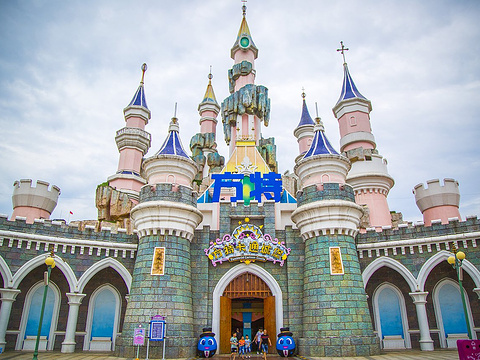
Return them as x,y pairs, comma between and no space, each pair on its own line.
353,121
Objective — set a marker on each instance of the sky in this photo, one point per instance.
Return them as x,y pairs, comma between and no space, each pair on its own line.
68,69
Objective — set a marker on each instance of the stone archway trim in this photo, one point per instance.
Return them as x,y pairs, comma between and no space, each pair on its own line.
232,274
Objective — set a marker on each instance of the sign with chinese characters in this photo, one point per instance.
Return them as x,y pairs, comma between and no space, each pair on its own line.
248,187
158,262
157,330
336,264
247,244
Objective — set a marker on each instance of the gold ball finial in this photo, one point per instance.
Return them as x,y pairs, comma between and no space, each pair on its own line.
144,68
303,93
451,260
460,255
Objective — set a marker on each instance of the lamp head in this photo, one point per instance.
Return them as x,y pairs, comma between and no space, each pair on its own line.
451,260
49,261
460,255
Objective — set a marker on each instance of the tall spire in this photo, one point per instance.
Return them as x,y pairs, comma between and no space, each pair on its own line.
244,39
139,97
209,96
305,119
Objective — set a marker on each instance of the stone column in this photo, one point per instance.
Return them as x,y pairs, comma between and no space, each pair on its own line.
8,297
420,299
74,301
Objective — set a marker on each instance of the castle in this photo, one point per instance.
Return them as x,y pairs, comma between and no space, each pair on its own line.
227,242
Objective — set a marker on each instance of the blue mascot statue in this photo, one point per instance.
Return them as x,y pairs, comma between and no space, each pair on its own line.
207,345
285,343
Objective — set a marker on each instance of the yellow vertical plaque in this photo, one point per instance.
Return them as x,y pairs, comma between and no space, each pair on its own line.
336,264
158,263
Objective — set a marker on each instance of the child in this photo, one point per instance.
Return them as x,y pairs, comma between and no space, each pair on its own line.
233,346
247,346
241,345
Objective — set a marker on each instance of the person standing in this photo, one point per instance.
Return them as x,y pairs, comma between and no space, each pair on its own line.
258,339
248,350
233,346
265,342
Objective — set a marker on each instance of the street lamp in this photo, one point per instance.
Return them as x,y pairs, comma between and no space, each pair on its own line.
456,262
50,262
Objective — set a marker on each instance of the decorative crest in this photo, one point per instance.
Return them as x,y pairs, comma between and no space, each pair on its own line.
342,50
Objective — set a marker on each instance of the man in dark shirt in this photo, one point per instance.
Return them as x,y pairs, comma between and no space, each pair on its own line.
265,342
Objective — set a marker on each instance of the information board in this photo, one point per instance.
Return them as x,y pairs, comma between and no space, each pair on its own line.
157,330
139,336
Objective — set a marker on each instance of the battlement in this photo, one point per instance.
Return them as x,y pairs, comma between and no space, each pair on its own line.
41,196
421,237
168,192
327,191
82,230
436,194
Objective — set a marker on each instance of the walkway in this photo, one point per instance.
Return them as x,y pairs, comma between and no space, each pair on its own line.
393,355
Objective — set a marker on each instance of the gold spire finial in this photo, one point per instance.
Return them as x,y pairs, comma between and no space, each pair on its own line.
144,68
342,50
244,7
303,93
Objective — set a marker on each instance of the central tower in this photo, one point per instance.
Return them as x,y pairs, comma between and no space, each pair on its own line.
248,105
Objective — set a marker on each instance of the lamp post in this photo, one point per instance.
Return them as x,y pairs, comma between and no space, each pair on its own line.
456,262
50,262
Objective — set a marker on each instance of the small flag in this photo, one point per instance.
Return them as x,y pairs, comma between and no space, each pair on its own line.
71,212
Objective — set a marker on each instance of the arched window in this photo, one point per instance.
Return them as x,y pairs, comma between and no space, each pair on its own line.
102,319
31,318
391,317
449,313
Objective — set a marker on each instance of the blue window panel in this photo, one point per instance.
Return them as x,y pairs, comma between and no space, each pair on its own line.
390,314
34,313
452,310
104,314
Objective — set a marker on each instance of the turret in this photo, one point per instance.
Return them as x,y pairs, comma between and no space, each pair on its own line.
34,202
304,131
165,217
328,219
203,145
437,201
368,176
248,105
133,143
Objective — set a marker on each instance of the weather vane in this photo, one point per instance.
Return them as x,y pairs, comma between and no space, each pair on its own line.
342,50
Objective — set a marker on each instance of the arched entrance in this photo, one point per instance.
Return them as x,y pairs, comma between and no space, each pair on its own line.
242,287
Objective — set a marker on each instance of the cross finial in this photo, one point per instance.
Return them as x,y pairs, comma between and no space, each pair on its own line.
244,7
144,68
342,50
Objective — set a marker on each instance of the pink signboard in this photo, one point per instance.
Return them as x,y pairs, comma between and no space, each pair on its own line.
468,349
139,336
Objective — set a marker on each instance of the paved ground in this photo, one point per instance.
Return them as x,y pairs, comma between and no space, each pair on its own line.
394,355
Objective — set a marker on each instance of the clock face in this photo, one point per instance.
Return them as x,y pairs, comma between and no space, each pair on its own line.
244,42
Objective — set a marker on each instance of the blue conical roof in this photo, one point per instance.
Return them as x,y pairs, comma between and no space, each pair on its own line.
349,90
139,98
320,144
306,119
173,144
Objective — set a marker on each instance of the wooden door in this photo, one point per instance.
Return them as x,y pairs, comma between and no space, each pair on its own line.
225,324
269,320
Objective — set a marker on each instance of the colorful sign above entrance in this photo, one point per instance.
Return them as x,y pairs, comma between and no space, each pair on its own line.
248,187
247,244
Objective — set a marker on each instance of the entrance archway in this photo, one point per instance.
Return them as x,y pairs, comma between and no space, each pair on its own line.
262,286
